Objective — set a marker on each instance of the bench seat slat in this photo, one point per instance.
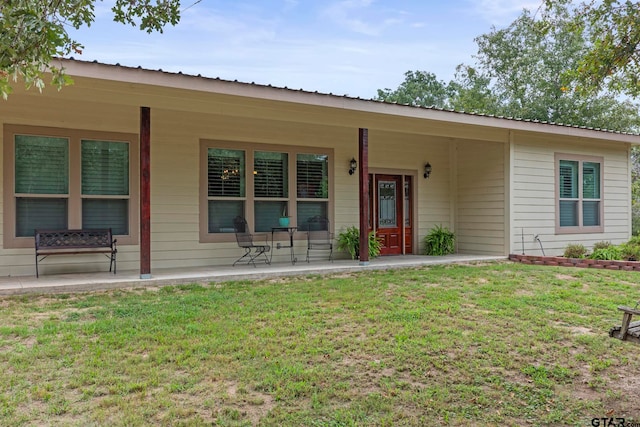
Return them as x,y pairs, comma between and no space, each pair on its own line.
74,251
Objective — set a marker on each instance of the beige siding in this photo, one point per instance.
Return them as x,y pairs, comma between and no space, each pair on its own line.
534,204
480,197
466,190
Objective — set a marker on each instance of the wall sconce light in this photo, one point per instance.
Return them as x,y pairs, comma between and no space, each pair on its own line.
352,166
427,170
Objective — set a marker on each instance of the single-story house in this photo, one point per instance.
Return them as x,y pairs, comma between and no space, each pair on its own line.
167,161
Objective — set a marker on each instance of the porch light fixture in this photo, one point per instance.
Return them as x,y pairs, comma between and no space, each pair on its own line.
352,166
427,170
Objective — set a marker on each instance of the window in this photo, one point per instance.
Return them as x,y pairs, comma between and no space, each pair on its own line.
312,181
579,194
59,178
280,181
270,188
225,188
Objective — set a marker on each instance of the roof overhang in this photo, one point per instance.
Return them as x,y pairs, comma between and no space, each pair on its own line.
205,85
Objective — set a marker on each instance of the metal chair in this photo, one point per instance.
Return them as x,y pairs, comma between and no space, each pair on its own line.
245,241
319,236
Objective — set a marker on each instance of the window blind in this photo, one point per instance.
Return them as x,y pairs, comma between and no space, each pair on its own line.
312,176
591,180
105,168
106,213
42,213
226,173
590,213
568,213
270,174
222,213
41,165
267,214
568,179
308,210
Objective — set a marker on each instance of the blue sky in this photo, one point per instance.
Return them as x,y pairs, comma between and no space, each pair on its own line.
344,47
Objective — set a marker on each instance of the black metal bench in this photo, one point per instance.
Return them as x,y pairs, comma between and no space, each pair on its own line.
69,242
628,331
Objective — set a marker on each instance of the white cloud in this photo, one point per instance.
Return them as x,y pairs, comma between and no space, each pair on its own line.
502,12
349,14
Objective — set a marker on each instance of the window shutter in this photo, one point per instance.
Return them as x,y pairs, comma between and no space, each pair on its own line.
226,173
312,176
270,174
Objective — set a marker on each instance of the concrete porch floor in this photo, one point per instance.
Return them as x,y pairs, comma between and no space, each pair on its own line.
64,283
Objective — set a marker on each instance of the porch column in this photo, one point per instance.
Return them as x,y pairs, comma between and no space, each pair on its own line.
363,159
145,193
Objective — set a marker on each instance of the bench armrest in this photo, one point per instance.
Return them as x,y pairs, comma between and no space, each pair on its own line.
629,310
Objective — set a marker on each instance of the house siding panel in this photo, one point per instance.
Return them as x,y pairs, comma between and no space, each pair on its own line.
480,198
534,200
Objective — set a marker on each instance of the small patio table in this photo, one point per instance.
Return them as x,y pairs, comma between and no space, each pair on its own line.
291,231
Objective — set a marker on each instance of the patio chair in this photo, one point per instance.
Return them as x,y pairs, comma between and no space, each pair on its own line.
252,250
319,236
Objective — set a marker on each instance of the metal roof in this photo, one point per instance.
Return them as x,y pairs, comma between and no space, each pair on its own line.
347,97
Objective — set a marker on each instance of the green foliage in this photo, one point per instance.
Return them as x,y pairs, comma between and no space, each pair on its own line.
369,348
575,250
607,253
521,72
630,251
420,88
611,28
439,241
349,241
32,33
601,245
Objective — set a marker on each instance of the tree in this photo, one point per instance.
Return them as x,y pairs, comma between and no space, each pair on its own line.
531,69
613,32
419,88
522,72
33,32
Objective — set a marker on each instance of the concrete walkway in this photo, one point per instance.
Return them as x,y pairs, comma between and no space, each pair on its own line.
64,283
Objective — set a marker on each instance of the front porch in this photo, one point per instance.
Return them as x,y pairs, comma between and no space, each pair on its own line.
63,283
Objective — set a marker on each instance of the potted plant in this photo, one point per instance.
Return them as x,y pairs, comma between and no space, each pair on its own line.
349,241
284,219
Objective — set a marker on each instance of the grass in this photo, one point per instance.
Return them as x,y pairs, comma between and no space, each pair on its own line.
493,344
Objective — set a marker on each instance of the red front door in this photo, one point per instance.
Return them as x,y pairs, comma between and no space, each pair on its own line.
388,218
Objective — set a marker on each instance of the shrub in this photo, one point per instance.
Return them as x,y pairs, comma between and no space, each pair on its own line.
608,253
601,245
630,252
635,240
439,241
349,241
575,250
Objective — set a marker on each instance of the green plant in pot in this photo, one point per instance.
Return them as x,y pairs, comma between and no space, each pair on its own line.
440,241
284,219
349,241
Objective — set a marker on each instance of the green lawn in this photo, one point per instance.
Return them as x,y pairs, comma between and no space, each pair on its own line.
491,344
